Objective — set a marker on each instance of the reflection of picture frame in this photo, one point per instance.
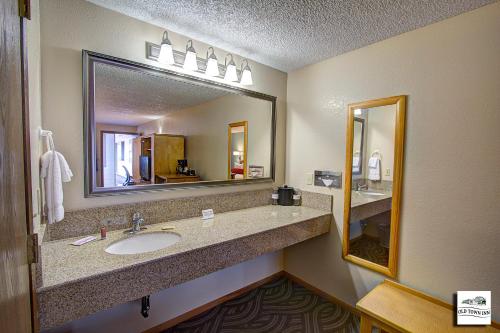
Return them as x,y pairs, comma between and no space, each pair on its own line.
256,171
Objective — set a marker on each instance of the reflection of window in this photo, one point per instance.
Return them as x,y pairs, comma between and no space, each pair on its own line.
122,151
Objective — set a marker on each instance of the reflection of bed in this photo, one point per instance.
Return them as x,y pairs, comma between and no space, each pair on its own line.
237,172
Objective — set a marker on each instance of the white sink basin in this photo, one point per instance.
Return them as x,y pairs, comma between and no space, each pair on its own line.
372,193
141,243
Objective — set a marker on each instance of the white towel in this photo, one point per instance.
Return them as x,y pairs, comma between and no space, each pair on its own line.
54,171
355,164
374,169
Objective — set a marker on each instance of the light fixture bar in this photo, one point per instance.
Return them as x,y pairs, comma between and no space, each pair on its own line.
153,51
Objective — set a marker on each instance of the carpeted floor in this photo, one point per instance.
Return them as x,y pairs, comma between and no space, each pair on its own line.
369,248
281,306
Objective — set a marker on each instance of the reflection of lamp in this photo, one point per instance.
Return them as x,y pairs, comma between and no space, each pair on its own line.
239,154
358,112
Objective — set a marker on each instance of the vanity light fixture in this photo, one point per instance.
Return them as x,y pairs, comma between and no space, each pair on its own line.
166,56
231,74
212,63
190,62
246,74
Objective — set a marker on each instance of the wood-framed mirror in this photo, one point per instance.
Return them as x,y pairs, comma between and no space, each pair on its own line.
237,150
372,194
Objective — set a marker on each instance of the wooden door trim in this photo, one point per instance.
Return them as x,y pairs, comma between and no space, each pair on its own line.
101,162
243,124
27,167
17,295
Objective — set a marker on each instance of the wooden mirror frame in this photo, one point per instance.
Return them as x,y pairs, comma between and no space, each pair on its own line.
89,59
243,124
361,156
400,102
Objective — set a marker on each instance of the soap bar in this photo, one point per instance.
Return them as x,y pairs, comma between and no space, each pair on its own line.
84,240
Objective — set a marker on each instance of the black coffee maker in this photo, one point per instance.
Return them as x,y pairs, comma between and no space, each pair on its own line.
182,167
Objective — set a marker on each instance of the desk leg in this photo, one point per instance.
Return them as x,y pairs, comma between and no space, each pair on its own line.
366,324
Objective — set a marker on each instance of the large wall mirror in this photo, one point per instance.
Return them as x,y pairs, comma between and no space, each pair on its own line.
374,167
149,128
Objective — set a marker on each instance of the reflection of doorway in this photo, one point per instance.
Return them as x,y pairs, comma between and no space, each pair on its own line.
116,158
237,150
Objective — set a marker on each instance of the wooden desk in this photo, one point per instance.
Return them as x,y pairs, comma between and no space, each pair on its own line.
178,178
396,308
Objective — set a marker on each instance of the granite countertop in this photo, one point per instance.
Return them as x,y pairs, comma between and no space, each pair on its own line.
358,198
63,263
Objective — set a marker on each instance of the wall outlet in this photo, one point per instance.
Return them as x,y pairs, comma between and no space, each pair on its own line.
387,172
309,178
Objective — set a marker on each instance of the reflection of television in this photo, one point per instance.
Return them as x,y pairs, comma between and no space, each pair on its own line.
144,167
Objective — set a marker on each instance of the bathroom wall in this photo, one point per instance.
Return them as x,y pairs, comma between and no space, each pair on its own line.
67,27
450,216
205,127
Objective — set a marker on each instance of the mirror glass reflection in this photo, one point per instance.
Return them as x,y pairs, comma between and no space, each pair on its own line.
156,129
372,183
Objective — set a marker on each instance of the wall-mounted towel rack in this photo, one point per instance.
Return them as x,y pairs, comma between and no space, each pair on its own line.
47,135
375,153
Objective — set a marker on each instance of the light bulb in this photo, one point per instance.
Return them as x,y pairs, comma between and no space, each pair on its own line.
231,74
357,112
166,56
246,74
190,62
212,64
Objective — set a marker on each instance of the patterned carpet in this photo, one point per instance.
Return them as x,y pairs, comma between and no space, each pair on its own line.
281,306
369,248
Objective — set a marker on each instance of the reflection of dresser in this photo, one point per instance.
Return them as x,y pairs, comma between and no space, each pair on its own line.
164,151
174,178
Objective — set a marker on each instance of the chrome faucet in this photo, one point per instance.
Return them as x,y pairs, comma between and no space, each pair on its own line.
360,187
137,220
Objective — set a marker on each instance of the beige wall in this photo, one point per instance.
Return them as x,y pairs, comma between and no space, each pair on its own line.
205,127
450,222
67,27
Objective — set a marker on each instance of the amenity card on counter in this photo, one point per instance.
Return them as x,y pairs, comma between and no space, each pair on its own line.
207,214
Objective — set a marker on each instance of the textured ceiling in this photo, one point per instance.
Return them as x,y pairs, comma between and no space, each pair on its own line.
130,98
290,34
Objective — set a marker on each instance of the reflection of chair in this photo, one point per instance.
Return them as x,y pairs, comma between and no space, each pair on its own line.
129,180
